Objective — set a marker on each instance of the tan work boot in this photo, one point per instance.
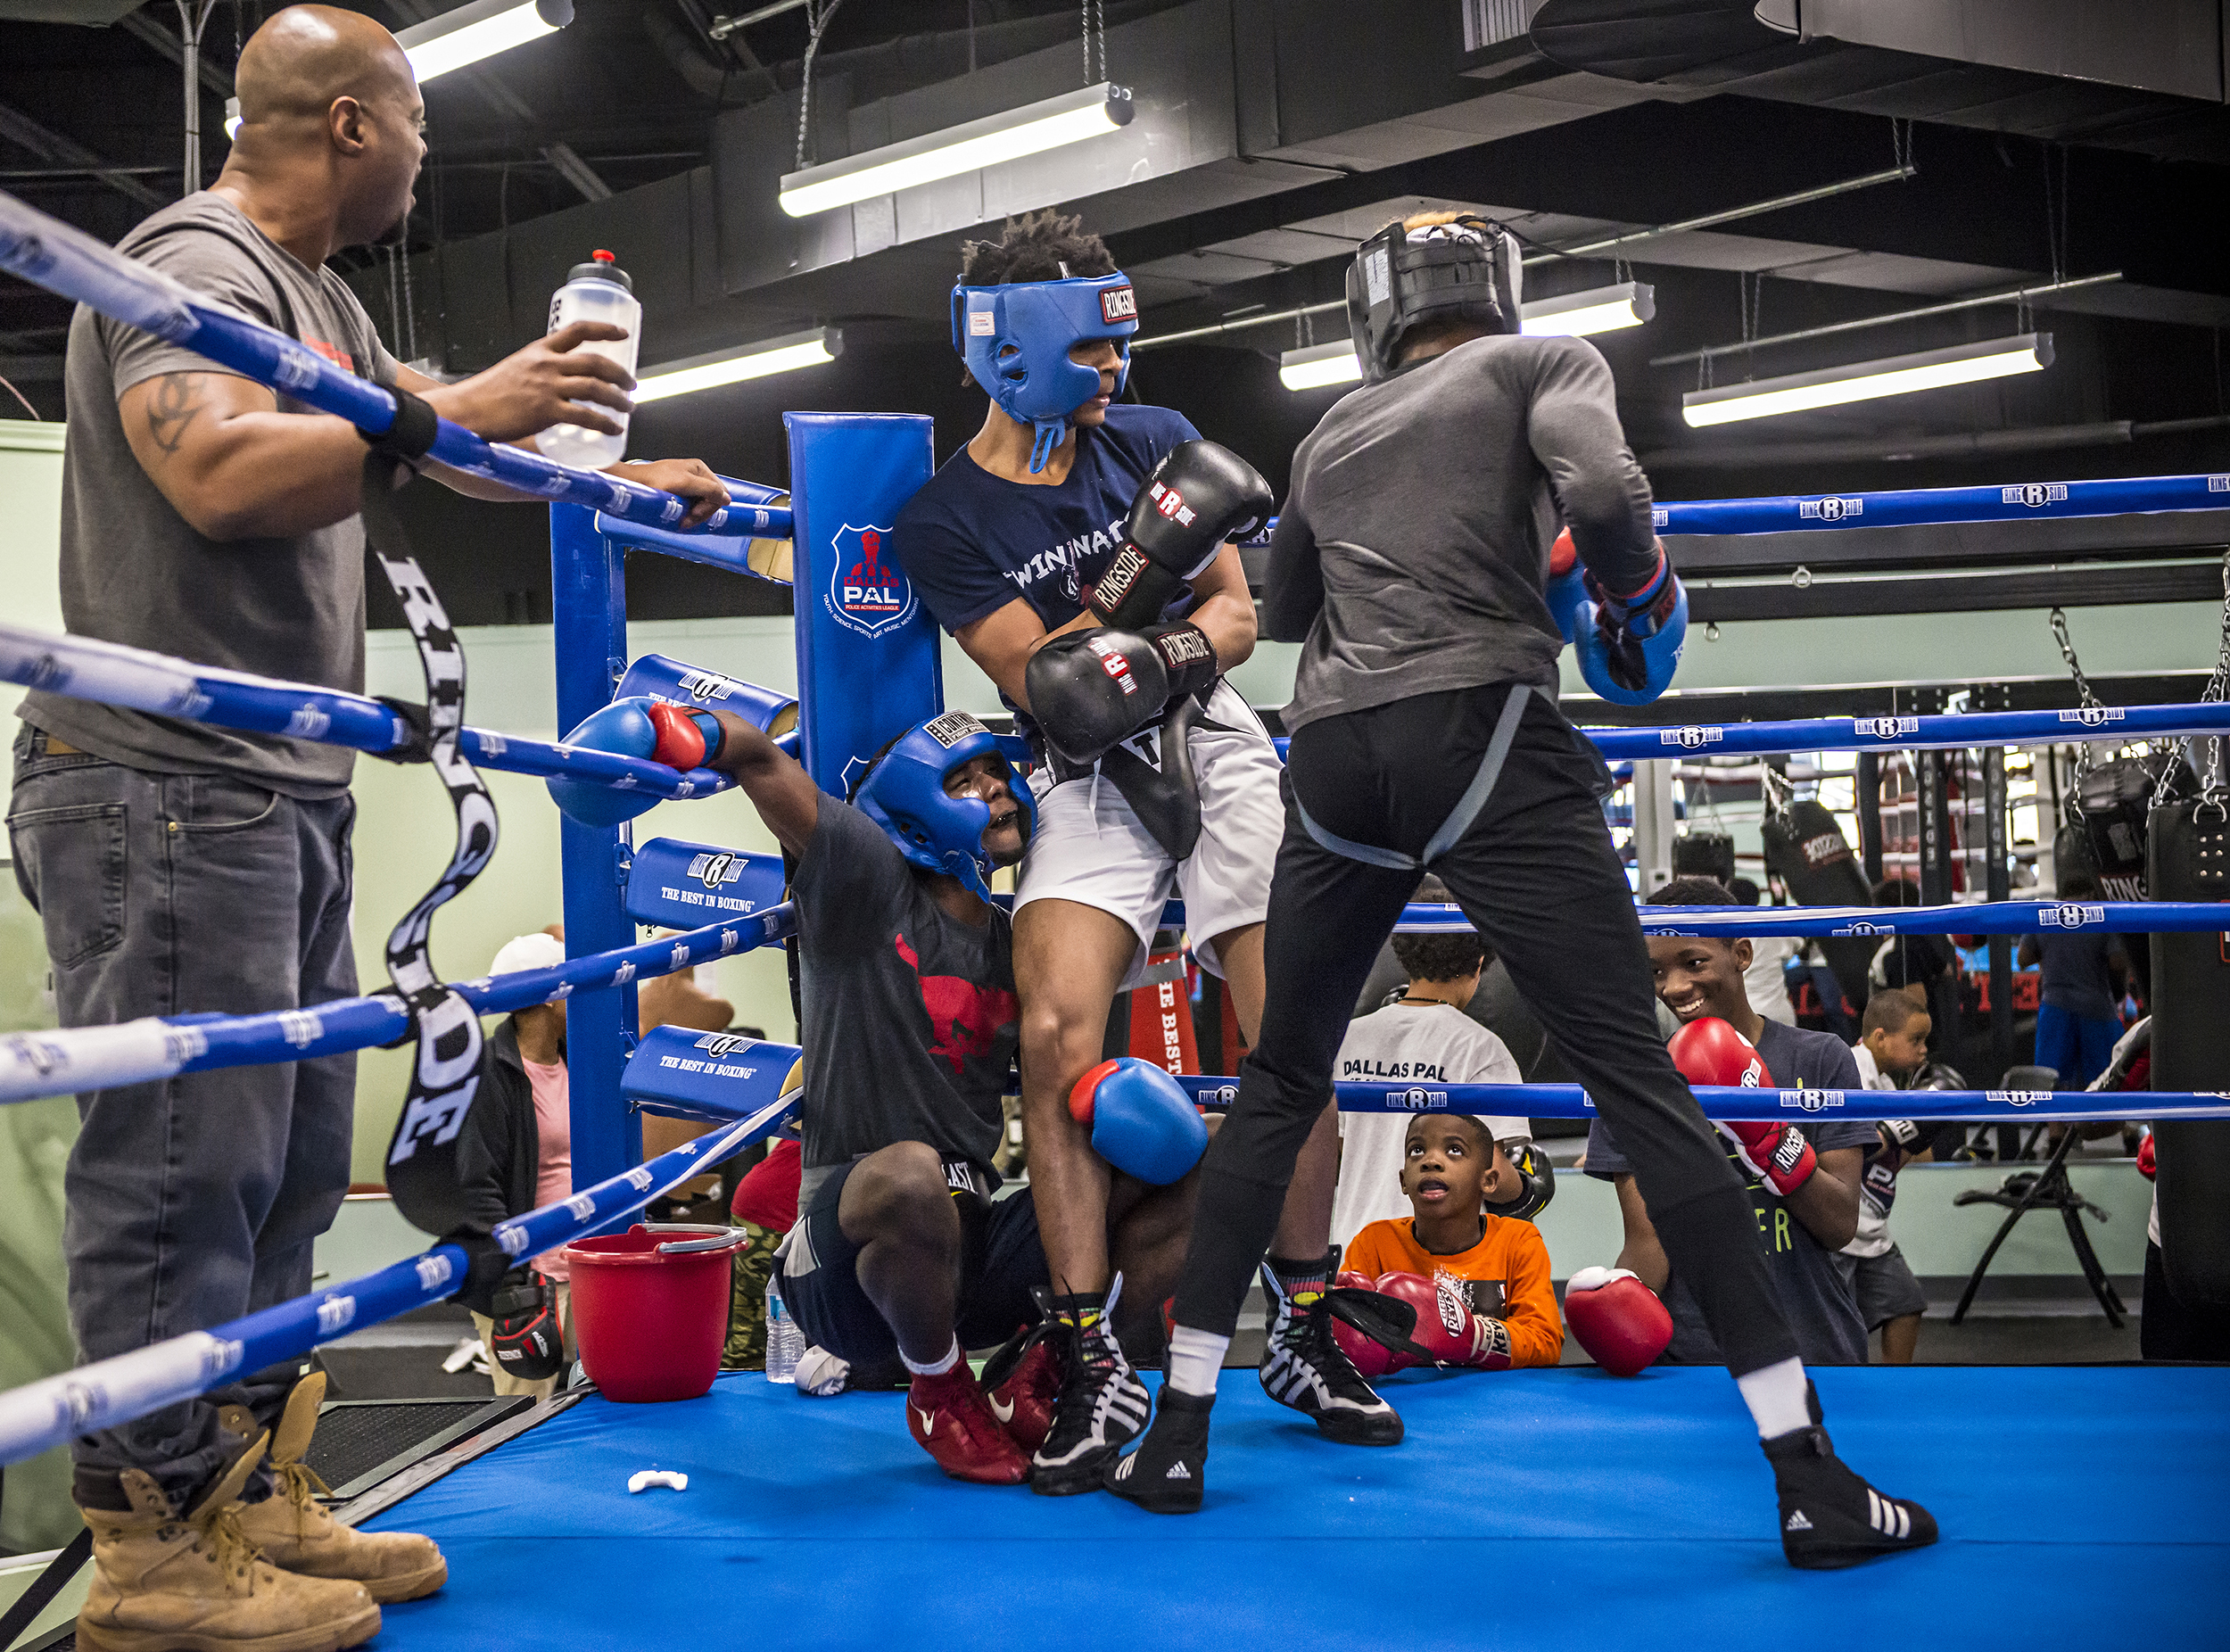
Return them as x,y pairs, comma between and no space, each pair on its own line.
297,1534
164,1581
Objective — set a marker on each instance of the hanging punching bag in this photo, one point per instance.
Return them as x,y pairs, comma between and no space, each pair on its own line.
1703,854
1807,851
2188,859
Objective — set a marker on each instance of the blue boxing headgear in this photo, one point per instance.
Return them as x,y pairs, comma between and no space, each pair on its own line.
1016,340
903,793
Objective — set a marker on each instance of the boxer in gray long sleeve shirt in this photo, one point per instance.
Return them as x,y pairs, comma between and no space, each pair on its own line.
1421,516
1413,554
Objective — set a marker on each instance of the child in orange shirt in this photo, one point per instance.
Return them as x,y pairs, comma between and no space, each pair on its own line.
1496,1267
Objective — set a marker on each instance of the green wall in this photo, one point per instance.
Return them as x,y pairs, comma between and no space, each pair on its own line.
34,1136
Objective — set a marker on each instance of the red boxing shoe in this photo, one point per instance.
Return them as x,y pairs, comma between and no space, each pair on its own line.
949,1415
1025,1400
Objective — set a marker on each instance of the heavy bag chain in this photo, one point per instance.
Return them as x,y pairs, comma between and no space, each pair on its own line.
2083,697
2211,786
445,1071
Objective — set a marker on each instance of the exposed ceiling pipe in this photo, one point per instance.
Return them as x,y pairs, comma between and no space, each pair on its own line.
882,70
1586,249
1961,444
2005,295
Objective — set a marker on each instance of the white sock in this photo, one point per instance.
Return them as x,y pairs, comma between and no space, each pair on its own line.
1195,1357
938,1367
1776,1398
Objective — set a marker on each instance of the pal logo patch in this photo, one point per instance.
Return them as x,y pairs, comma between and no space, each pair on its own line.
867,590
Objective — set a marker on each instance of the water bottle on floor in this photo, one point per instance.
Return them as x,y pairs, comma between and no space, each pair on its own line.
785,1342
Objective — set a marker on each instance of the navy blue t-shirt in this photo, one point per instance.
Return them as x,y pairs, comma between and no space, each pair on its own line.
1821,1310
971,542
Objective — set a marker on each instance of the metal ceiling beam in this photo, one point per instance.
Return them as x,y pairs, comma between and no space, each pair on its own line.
1588,249
577,171
505,102
47,144
141,27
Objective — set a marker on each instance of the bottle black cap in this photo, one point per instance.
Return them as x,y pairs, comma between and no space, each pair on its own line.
600,268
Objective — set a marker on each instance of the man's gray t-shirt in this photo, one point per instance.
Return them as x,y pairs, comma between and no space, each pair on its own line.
134,572
910,1020
1412,550
1821,1312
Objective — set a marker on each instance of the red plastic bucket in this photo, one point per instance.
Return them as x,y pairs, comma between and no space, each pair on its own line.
650,1308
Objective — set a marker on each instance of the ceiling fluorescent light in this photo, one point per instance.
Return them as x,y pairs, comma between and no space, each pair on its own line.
479,29
808,349
1600,310
1029,130
1319,365
1929,369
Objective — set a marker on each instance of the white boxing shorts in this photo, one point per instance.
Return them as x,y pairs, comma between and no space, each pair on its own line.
1090,846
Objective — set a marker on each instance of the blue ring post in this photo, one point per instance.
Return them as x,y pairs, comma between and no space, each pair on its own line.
589,604
588,568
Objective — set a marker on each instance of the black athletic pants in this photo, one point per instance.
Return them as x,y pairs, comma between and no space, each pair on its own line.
1537,874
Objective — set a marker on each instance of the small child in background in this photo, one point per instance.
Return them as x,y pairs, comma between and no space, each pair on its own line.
1423,1037
1892,1048
1479,1282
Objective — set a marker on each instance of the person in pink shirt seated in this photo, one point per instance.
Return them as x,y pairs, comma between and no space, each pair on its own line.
517,1155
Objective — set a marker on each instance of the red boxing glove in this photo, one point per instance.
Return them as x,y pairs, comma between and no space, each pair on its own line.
1372,1359
2148,1164
1562,554
686,740
1708,1051
1446,1326
1778,1152
1616,1319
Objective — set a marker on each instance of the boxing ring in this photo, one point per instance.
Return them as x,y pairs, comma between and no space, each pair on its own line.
1568,1508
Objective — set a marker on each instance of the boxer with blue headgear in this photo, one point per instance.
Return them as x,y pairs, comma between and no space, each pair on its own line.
908,791
909,1022
1080,551
1017,339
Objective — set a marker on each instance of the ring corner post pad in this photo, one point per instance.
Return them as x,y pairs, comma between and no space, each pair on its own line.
682,1072
868,659
685,885
589,608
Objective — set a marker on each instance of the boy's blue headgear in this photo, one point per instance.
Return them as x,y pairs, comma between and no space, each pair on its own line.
1016,340
903,793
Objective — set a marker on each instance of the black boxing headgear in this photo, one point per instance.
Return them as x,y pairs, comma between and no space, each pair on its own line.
1468,269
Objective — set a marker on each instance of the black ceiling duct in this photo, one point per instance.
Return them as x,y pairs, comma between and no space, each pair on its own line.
1722,45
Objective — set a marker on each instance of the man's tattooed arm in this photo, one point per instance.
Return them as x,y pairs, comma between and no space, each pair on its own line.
176,398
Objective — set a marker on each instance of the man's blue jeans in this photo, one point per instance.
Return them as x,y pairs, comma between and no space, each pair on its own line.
195,1200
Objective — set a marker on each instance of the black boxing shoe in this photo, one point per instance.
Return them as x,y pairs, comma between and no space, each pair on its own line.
1102,1404
1830,1517
1303,1364
1167,1474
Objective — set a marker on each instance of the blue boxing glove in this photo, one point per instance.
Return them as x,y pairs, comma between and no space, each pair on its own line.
1141,1120
1629,647
651,728
1567,585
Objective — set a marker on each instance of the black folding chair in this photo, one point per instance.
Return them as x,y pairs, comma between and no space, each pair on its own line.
2047,1189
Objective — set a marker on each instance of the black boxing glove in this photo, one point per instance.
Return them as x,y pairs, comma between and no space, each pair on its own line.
1186,655
1089,689
526,1342
1199,496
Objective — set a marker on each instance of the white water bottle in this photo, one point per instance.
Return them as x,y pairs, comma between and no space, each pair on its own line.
596,290
785,1342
